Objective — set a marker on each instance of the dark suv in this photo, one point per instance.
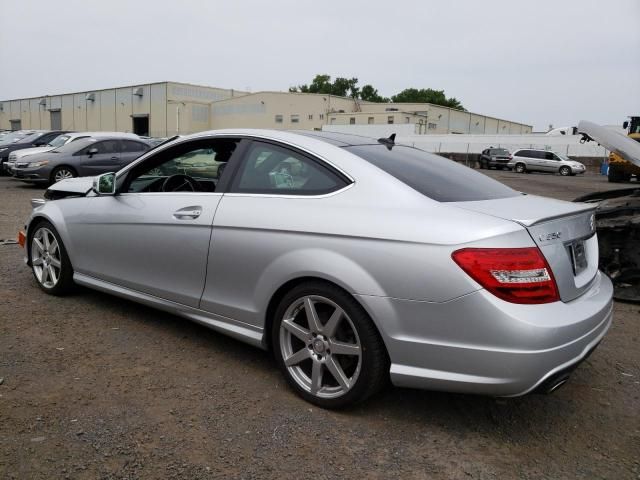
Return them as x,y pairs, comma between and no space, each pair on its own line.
494,157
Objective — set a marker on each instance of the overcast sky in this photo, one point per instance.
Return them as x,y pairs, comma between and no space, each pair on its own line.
537,62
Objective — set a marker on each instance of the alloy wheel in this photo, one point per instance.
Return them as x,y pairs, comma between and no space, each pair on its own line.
520,168
62,174
46,258
320,347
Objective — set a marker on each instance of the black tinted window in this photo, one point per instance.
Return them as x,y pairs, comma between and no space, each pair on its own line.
524,153
131,146
434,176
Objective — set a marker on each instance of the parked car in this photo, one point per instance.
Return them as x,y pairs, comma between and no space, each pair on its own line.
14,136
494,158
531,160
88,156
59,141
460,283
36,139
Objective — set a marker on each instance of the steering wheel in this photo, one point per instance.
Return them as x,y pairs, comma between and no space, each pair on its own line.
180,183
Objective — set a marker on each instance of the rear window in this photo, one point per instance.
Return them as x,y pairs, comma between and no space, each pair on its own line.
500,151
434,176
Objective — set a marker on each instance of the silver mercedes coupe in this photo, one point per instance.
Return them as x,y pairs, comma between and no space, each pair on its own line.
354,260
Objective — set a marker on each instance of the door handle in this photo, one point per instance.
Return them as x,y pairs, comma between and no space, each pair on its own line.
114,158
188,213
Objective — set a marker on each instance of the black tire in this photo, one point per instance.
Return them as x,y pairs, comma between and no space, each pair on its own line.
565,171
373,373
520,168
61,170
64,283
482,165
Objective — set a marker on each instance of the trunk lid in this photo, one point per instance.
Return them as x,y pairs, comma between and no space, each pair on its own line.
564,232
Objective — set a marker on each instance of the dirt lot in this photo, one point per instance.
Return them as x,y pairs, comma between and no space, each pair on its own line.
97,387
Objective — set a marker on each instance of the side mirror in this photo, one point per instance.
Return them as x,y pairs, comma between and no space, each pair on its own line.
92,151
625,124
105,184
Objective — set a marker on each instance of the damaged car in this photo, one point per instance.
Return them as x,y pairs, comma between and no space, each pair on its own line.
354,260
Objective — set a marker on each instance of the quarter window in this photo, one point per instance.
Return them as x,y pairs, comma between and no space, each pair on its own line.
270,169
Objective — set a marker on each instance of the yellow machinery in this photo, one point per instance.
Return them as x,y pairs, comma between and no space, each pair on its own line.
621,170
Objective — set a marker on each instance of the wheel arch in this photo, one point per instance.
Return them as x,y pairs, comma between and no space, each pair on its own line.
58,167
282,290
39,217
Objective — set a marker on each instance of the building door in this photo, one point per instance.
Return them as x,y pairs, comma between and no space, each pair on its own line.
16,124
141,125
56,120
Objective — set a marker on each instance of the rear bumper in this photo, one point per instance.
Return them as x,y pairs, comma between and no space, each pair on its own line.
480,344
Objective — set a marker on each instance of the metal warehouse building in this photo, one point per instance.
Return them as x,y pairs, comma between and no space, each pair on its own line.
169,108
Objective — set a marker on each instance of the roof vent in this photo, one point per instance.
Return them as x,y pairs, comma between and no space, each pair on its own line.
91,97
138,92
390,109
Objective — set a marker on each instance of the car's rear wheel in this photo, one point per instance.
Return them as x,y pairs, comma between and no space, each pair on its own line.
62,173
327,346
565,171
520,168
49,260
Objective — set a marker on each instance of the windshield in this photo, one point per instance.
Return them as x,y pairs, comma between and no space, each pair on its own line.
500,151
564,157
435,177
12,137
59,141
73,147
30,138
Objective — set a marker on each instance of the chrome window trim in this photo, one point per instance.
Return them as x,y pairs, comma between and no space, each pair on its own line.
181,140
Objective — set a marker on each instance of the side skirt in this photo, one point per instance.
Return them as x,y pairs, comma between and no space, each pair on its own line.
228,326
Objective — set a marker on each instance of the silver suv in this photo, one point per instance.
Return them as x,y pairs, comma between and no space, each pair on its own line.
530,160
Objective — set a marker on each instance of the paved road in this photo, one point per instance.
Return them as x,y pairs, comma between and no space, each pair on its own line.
97,387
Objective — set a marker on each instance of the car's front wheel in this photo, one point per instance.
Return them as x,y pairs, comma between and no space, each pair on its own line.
62,173
565,171
327,346
49,260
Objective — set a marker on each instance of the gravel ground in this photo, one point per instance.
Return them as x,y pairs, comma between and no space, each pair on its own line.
97,387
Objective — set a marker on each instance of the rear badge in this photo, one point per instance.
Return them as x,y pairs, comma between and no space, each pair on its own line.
548,237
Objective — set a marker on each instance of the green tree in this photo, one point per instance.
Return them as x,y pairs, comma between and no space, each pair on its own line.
343,87
370,94
348,87
427,95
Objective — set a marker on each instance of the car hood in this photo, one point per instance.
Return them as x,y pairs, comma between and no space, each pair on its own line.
79,185
31,151
612,140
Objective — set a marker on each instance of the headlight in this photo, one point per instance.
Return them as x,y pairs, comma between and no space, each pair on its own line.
41,163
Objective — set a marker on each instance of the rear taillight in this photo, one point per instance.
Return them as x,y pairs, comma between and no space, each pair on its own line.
517,275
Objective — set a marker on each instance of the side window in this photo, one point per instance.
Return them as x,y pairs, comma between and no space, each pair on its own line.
104,147
131,146
521,153
550,156
271,169
195,166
